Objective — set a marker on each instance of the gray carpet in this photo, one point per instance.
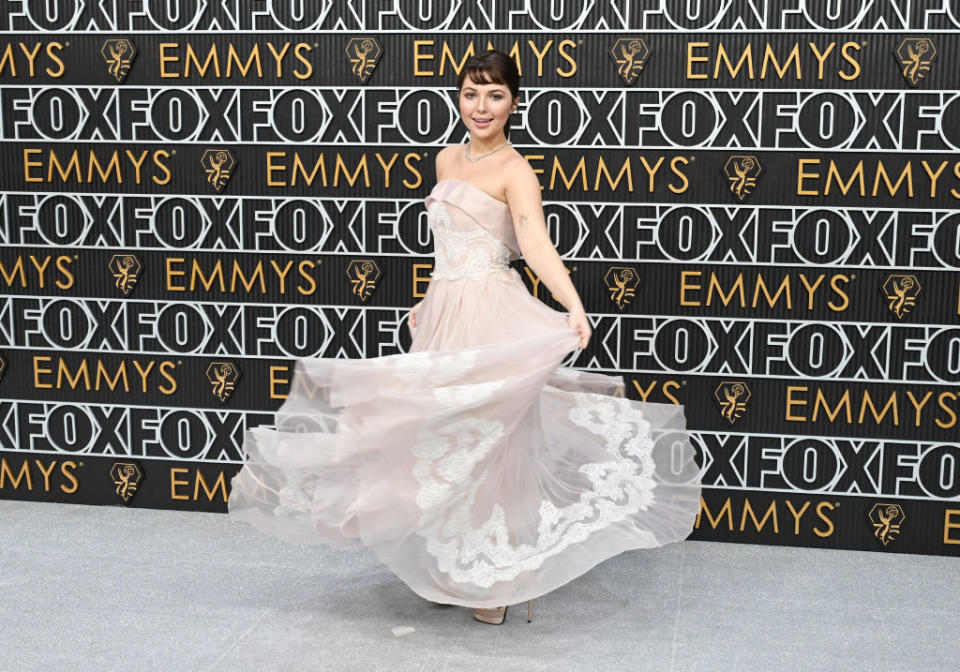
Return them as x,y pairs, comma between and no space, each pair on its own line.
110,588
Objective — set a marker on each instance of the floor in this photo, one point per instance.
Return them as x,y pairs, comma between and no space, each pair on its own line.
111,588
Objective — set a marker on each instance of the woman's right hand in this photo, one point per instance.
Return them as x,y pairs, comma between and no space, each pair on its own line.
413,313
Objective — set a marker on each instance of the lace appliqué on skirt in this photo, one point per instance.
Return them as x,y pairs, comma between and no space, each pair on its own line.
482,556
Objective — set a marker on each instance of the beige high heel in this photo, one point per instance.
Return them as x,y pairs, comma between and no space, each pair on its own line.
496,615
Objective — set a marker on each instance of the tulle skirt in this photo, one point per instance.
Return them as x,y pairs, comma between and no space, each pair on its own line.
476,466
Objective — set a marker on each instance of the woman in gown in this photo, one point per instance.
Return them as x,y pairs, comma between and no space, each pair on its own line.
477,467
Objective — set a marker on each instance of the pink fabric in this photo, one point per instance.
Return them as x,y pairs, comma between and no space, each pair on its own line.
480,469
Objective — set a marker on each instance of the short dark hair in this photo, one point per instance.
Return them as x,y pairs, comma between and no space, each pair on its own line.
492,67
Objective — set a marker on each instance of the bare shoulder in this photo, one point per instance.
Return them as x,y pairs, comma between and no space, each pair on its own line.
443,160
519,177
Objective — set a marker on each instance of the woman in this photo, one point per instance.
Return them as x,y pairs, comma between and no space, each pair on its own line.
479,469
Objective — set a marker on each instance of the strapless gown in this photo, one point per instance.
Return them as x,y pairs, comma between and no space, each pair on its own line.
478,467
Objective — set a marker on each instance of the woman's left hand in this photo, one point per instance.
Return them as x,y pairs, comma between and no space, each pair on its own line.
577,319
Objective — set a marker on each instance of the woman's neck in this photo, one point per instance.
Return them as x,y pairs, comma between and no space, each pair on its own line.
481,146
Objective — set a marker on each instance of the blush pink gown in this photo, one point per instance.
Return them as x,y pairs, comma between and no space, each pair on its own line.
477,467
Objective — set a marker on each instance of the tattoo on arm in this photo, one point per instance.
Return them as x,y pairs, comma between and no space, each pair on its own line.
523,220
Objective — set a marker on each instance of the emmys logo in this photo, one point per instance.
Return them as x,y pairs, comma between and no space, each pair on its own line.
363,53
125,269
630,54
742,172
363,274
119,55
915,55
733,398
218,164
126,476
901,292
622,282
223,378
3,366
886,520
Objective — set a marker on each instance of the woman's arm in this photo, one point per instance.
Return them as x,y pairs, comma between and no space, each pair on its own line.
523,196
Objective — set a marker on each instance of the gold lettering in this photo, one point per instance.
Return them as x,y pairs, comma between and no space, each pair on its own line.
770,57
795,402
844,404
253,58
726,298
803,175
219,485
834,174
6,473
651,171
784,288
821,57
275,379
691,59
419,56
684,286
868,402
212,59
771,512
746,57
918,406
165,58
820,508
948,524
726,509
174,482
797,514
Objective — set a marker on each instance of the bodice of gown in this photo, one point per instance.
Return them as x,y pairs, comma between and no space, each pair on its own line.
472,231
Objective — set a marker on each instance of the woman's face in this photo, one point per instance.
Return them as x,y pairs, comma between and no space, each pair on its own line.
484,108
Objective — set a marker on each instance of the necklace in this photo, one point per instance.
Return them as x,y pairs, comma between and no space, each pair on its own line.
466,152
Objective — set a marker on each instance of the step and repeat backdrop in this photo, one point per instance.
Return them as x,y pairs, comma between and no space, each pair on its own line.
758,200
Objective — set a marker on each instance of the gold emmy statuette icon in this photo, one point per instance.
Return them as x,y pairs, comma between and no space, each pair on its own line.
3,366
732,397
742,172
363,274
118,54
915,55
622,283
218,164
630,54
887,520
223,378
127,476
125,269
362,54
901,292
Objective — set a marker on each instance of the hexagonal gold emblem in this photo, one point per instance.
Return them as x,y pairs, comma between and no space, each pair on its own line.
901,292
125,269
630,54
915,55
887,520
119,54
127,477
363,53
223,378
732,397
363,274
622,283
218,164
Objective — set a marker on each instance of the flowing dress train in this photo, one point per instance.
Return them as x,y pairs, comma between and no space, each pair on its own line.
478,468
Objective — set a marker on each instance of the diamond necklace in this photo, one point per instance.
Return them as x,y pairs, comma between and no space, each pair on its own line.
466,152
